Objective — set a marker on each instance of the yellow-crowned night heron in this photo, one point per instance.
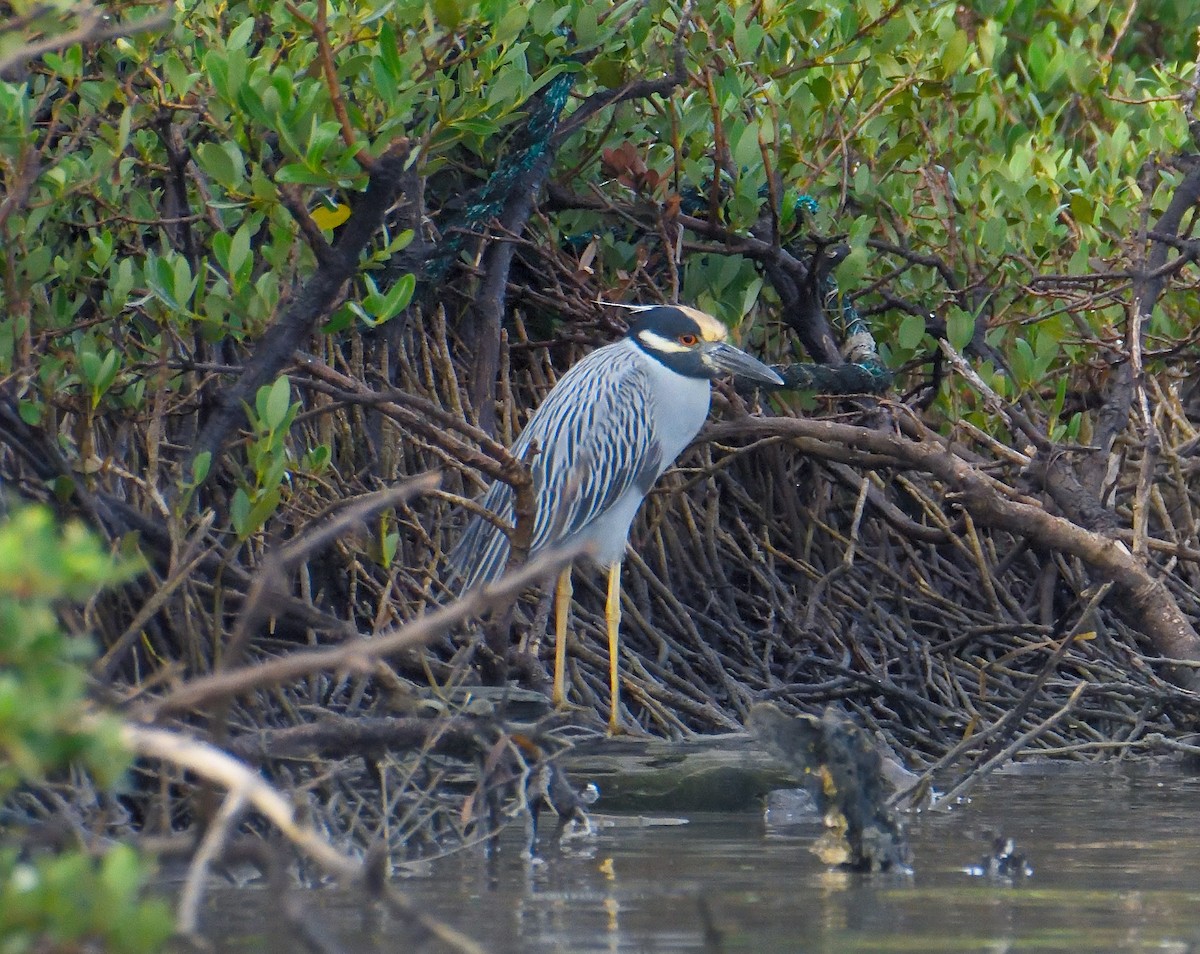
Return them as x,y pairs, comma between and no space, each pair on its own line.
605,433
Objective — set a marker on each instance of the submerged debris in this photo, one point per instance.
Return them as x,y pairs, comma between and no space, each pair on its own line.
844,772
547,788
1003,863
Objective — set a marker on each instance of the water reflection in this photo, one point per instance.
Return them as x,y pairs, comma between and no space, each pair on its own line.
1116,860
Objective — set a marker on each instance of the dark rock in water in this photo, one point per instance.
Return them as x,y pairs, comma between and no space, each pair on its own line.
843,770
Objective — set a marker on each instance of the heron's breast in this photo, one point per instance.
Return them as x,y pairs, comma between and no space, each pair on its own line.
679,408
676,407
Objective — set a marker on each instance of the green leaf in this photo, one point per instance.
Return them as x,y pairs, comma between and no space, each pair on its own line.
448,13
240,36
746,151
120,875
399,242
1083,209
105,375
960,328
30,412
400,294
317,459
587,31
1022,361
241,263
215,161
179,78
216,67
609,71
851,269
954,54
278,401
89,366
123,126
1046,350
389,53
182,282
341,319
264,507
324,135
239,513
995,234
512,23
200,466
297,173
911,332
750,295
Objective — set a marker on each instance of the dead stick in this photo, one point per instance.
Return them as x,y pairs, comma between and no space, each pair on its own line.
243,783
359,653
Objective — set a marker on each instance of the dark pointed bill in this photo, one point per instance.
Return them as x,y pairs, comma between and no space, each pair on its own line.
727,359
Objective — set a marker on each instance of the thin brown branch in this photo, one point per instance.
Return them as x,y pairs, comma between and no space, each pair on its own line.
93,28
359,653
1153,607
329,69
246,786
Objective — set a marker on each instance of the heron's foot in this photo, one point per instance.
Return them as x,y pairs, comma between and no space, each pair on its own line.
562,704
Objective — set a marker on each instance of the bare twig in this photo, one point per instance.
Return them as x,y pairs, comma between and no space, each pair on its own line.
357,654
1022,741
246,787
93,28
1154,608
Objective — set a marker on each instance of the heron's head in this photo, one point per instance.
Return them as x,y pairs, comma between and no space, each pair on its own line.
694,344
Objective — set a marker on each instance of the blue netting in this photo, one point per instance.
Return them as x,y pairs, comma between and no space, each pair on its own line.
544,117
864,371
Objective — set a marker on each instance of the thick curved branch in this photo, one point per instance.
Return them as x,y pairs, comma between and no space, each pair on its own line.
1145,599
246,785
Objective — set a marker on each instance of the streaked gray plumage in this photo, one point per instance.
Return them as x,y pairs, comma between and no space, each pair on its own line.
605,433
595,447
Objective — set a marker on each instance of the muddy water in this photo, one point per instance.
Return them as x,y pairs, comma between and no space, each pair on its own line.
1116,859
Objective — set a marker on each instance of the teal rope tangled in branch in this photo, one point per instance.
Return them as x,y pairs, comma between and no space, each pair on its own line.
864,370
544,117
806,204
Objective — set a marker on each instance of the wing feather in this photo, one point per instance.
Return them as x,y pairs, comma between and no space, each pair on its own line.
595,445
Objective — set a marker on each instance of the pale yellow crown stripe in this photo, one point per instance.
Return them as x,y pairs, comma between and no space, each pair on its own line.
710,328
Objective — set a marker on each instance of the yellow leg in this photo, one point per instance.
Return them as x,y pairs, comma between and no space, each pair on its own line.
612,616
562,606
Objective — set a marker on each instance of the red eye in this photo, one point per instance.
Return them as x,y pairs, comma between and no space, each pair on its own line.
688,341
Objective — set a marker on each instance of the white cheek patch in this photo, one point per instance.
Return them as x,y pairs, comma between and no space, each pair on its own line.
659,343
